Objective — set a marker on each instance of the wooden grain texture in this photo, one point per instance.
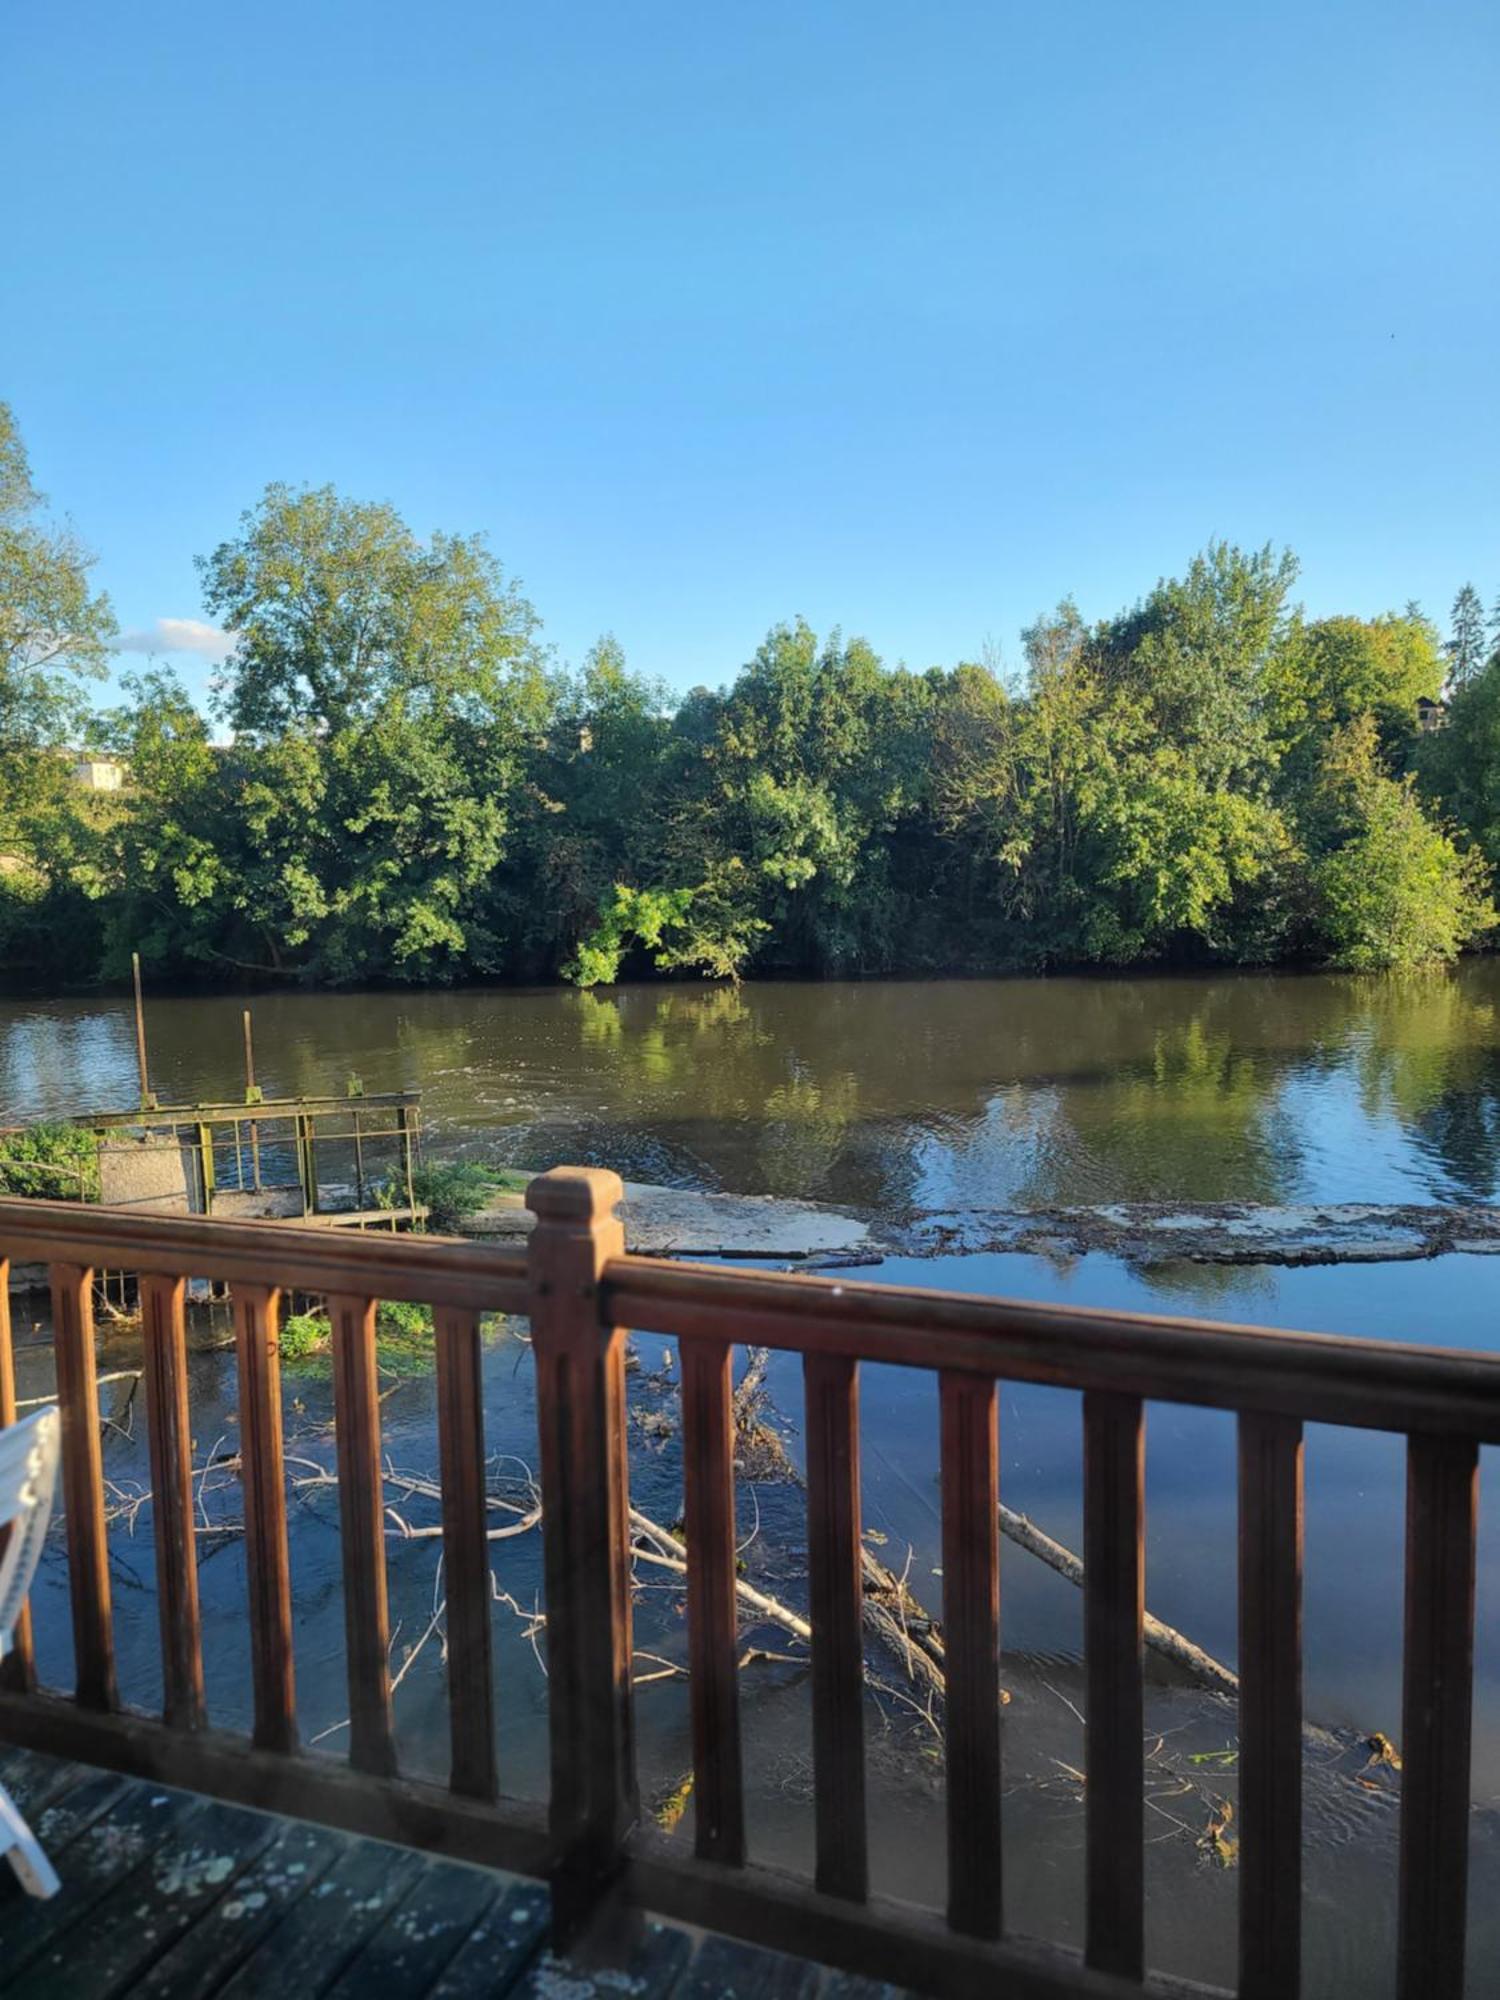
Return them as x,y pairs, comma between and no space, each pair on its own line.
580,1364
170,1439
971,1651
18,1668
834,1594
1442,1499
1270,1764
257,1321
83,1485
367,1618
1114,1607
466,1559
429,1270
1318,1377
713,1619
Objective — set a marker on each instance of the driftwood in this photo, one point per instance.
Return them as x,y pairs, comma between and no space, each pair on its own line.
1163,1639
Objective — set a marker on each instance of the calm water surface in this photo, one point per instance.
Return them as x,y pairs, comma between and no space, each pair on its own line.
889,1098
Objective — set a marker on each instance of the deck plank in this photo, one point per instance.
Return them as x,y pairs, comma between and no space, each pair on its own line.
724,1967
321,1933
500,1948
150,1908
197,1965
102,1854
413,1947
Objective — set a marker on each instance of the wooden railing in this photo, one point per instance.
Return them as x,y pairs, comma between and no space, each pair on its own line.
581,1292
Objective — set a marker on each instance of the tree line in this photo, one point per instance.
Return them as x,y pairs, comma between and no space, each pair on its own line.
396,781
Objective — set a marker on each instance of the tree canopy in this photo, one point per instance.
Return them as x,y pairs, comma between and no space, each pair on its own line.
397,781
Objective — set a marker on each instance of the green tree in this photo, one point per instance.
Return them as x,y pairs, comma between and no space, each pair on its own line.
55,634
1465,646
1395,891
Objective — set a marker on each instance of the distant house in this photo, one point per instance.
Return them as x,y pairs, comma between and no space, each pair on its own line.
1431,715
98,774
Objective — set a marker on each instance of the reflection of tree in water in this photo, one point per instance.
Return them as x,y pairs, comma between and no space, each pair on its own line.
1426,1057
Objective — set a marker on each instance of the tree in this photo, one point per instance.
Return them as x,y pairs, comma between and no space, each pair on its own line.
1465,646
1395,890
55,633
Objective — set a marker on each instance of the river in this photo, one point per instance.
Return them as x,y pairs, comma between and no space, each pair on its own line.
891,1098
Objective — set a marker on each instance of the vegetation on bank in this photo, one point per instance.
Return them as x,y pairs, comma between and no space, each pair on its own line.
52,1161
415,791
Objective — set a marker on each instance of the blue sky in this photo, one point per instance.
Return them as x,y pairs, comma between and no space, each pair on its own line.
906,318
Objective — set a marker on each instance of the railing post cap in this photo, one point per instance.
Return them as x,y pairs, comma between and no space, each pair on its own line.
575,1194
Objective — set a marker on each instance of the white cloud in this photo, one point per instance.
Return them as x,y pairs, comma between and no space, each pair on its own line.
179,635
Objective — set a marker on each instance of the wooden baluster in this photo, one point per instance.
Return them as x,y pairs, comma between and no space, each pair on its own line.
18,1669
835,1590
466,1557
1270,1639
713,1621
83,1485
1442,1496
367,1620
267,1557
580,1373
971,1648
1114,1606
169,1433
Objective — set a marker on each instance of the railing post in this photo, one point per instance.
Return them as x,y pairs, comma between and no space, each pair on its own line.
580,1373
18,1669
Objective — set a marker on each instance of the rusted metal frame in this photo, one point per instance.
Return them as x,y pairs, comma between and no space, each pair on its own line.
713,1612
466,1562
170,1440
580,1364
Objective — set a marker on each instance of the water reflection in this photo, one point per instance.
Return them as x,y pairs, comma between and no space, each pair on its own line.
1263,1087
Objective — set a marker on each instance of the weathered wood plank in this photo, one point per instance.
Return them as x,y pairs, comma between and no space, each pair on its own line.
18,1669
713,1620
367,1620
257,1322
1442,1501
971,1650
1270,1766
1114,1607
466,1562
501,1945
83,1485
417,1942
109,1848
196,1967
580,1367
170,1437
177,1881
315,1940
834,1590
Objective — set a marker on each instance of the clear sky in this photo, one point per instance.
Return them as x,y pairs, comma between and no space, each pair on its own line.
906,317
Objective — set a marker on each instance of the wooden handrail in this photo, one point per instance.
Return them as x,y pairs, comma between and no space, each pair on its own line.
582,1292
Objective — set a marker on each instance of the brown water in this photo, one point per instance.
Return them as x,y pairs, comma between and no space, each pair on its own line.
888,1097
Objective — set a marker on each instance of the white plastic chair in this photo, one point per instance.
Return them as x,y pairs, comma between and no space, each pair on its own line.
28,1472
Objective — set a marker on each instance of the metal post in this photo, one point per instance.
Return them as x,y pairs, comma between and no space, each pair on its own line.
148,1100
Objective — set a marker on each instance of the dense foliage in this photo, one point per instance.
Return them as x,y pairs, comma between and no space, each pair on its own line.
397,782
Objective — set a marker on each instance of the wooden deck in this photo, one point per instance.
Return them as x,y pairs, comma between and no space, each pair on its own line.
167,1896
